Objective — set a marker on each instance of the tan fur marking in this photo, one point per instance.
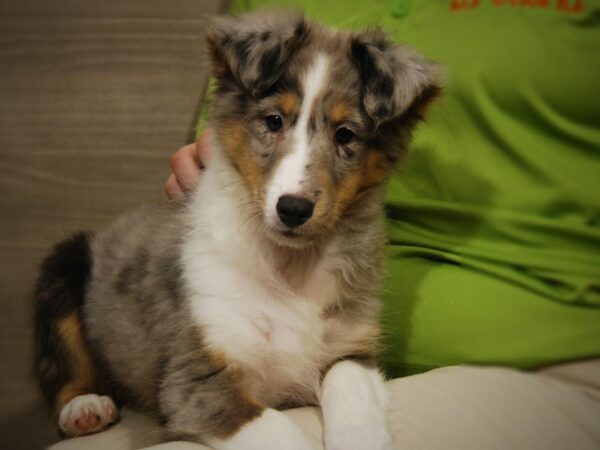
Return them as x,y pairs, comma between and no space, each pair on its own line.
376,168
339,112
80,363
66,394
326,199
347,190
335,199
246,411
288,102
233,137
246,408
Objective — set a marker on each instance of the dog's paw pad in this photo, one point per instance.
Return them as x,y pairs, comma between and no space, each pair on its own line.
87,414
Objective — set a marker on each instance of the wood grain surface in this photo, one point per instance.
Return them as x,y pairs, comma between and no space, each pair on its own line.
94,98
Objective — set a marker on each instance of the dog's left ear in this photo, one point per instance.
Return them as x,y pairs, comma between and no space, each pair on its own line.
395,79
253,48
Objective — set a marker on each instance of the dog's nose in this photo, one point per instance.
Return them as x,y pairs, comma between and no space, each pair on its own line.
294,211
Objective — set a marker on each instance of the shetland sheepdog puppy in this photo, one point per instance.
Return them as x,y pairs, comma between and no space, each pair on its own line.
259,293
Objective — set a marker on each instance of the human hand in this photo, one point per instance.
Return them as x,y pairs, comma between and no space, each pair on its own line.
187,164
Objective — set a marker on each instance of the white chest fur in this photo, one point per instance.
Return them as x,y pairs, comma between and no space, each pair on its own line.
245,309
278,338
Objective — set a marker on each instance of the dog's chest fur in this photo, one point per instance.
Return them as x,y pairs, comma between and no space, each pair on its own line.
276,337
262,311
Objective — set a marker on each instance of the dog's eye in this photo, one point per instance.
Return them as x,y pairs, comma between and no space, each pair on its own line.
274,122
344,136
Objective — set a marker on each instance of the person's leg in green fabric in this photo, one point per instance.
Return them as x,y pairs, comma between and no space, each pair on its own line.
438,314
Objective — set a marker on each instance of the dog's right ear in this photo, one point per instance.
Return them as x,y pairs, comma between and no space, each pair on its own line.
253,48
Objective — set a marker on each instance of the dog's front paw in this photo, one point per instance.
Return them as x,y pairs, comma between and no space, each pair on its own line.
367,437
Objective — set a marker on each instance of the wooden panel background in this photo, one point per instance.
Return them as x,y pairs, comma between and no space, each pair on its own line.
94,98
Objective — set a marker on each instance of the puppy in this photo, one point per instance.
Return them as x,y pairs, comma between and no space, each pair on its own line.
260,293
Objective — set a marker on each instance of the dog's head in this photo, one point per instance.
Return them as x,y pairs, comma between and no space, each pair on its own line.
312,118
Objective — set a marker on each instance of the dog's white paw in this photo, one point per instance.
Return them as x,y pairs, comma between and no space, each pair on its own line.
368,437
87,414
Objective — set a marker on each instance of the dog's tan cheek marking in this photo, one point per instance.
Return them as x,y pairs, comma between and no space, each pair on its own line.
374,170
326,193
347,190
234,139
375,167
80,364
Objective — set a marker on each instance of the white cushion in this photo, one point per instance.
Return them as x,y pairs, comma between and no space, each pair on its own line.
451,408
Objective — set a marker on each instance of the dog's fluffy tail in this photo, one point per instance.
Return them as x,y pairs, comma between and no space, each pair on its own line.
63,365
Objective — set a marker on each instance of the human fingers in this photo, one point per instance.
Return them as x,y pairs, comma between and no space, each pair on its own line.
185,167
172,189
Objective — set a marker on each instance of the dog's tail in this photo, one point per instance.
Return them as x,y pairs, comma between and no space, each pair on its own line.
63,366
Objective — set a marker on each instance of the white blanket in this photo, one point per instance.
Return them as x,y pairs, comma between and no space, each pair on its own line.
459,408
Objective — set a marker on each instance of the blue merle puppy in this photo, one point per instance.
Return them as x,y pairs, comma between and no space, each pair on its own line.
260,292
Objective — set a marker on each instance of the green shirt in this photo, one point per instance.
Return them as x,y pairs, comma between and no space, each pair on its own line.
494,221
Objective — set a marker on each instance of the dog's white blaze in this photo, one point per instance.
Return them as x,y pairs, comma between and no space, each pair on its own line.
290,173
